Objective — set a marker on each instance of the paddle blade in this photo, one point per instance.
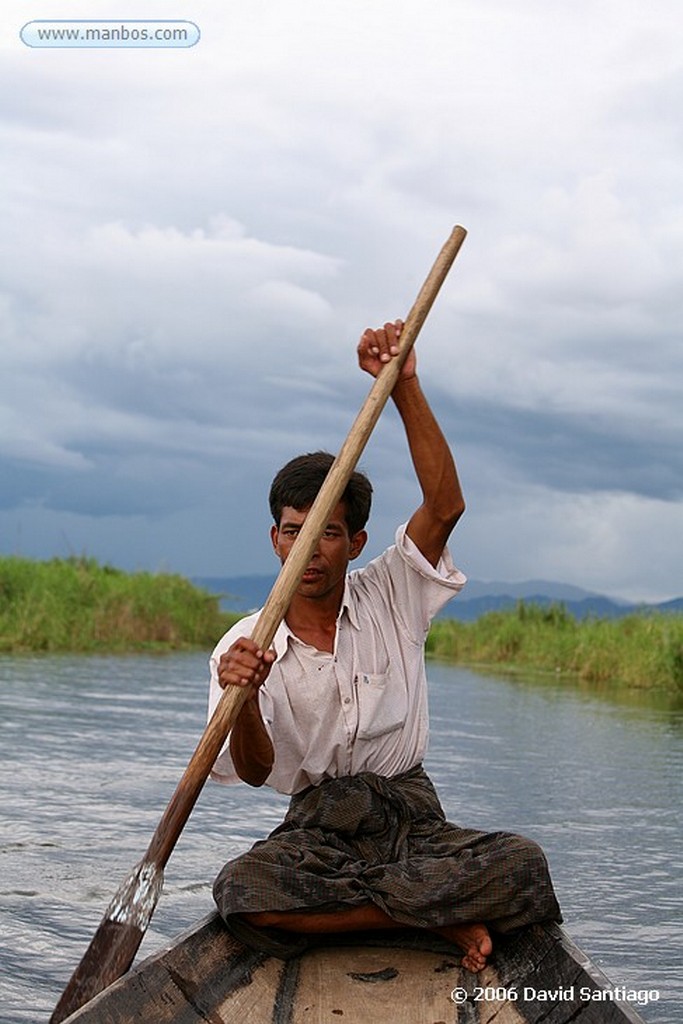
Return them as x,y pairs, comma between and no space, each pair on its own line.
116,941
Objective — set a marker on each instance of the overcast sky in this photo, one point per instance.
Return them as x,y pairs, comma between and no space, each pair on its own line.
193,239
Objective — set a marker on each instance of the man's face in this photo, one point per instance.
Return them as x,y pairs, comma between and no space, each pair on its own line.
329,562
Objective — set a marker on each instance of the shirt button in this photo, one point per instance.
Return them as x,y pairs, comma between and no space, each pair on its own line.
347,700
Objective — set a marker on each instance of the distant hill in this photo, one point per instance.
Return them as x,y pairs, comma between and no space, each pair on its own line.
528,589
238,593
247,593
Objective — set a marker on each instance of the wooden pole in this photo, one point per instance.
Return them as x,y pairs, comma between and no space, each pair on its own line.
123,926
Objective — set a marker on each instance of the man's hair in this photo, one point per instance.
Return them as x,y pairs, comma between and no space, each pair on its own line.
298,482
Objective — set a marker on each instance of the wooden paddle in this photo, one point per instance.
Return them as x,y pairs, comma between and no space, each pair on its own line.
123,926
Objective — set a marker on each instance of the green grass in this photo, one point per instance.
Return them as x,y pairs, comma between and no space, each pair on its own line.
640,650
75,604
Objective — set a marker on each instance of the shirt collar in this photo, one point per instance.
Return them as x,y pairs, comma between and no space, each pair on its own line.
348,605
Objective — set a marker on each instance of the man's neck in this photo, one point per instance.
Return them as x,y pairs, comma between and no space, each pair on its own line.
314,620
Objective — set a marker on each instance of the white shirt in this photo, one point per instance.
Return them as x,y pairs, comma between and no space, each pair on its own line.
363,707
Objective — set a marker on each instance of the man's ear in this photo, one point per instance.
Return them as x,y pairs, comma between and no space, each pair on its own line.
358,542
273,538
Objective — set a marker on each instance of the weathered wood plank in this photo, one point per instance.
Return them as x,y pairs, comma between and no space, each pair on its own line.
408,977
404,986
188,982
554,982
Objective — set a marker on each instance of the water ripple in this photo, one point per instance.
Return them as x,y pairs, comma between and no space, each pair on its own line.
93,748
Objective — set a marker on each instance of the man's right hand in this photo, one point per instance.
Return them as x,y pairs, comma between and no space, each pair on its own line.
244,664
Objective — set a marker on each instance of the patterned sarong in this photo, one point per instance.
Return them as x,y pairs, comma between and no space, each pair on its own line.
365,839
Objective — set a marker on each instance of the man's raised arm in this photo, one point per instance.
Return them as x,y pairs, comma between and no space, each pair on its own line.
442,501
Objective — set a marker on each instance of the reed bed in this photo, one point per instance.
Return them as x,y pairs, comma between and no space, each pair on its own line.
76,604
643,650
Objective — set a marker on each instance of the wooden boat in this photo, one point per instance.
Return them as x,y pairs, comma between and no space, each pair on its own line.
402,977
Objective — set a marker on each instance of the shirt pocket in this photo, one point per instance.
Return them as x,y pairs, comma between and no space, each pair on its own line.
382,704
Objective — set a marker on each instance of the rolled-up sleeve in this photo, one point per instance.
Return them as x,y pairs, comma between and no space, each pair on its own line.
421,590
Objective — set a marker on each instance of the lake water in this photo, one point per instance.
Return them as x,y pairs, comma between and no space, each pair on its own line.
92,748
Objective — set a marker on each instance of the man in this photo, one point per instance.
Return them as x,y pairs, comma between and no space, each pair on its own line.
338,720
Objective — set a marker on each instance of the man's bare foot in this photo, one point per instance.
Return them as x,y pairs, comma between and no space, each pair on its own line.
475,942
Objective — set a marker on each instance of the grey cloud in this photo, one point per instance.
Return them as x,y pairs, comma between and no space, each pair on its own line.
577,455
190,248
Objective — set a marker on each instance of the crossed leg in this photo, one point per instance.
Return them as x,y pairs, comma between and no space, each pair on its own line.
473,940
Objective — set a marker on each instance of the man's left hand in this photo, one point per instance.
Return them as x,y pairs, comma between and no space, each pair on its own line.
378,347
